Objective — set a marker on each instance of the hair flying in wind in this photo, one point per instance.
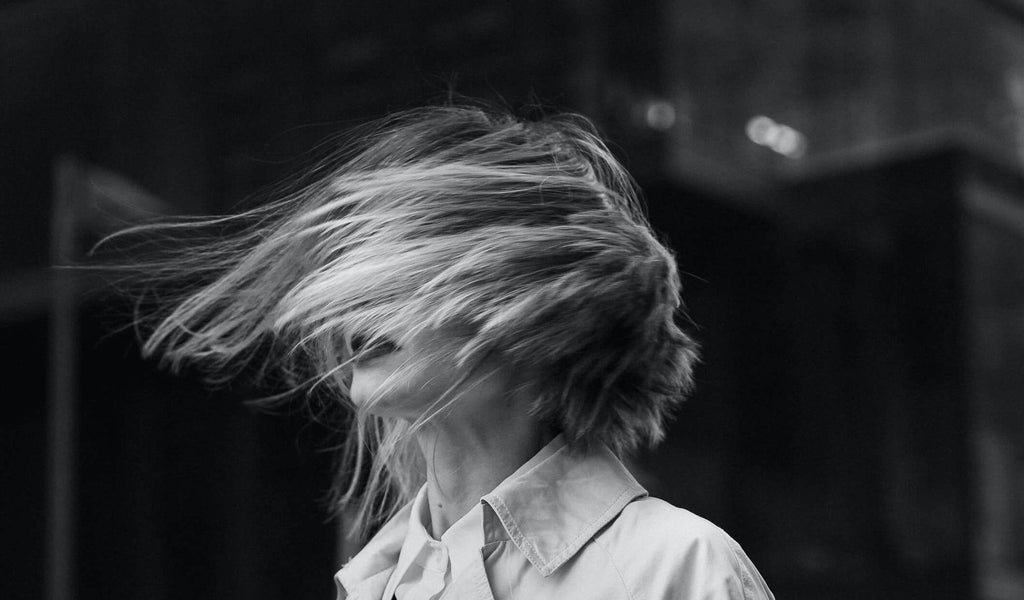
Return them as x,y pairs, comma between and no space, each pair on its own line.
528,233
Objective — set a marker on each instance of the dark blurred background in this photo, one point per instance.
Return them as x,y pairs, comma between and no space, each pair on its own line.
841,180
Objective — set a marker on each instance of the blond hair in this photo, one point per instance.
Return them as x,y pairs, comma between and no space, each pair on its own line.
530,232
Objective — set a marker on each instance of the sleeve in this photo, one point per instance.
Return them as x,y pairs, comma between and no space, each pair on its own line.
752,584
685,557
711,566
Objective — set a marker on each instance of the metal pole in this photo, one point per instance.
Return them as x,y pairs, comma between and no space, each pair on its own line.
63,374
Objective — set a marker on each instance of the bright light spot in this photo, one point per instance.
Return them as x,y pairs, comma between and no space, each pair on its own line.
783,139
660,115
759,128
789,142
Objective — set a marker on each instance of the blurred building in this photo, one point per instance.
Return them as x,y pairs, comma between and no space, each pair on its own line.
841,180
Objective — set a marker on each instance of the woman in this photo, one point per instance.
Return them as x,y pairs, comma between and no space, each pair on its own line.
486,297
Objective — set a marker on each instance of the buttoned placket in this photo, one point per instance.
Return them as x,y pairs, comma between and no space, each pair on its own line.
474,585
434,559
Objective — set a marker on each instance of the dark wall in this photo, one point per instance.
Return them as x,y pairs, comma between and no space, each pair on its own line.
830,428
186,492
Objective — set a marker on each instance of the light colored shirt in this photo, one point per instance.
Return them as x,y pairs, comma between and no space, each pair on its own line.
570,525
427,566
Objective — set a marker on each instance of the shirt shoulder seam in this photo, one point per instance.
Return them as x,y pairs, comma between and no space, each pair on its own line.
615,567
734,554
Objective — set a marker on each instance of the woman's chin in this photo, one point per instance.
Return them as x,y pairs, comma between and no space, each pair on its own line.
388,408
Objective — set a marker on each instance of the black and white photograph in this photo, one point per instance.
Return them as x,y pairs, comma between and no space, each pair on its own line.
567,300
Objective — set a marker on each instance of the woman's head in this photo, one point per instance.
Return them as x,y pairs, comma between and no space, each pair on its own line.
407,379
518,241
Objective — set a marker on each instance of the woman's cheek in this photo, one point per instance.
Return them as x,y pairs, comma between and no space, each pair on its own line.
407,393
368,376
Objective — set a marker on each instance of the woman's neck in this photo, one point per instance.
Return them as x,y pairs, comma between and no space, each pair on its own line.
467,458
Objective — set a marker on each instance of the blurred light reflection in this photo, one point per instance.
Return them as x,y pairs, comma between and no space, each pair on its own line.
783,139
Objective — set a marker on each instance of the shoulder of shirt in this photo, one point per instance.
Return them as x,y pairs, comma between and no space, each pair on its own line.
656,522
655,544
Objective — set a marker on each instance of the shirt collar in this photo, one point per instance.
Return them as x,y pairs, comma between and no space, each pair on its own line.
459,543
549,508
556,502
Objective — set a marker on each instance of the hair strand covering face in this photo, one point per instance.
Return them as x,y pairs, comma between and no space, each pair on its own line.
530,233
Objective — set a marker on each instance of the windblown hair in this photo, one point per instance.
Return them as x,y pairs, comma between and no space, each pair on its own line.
528,232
